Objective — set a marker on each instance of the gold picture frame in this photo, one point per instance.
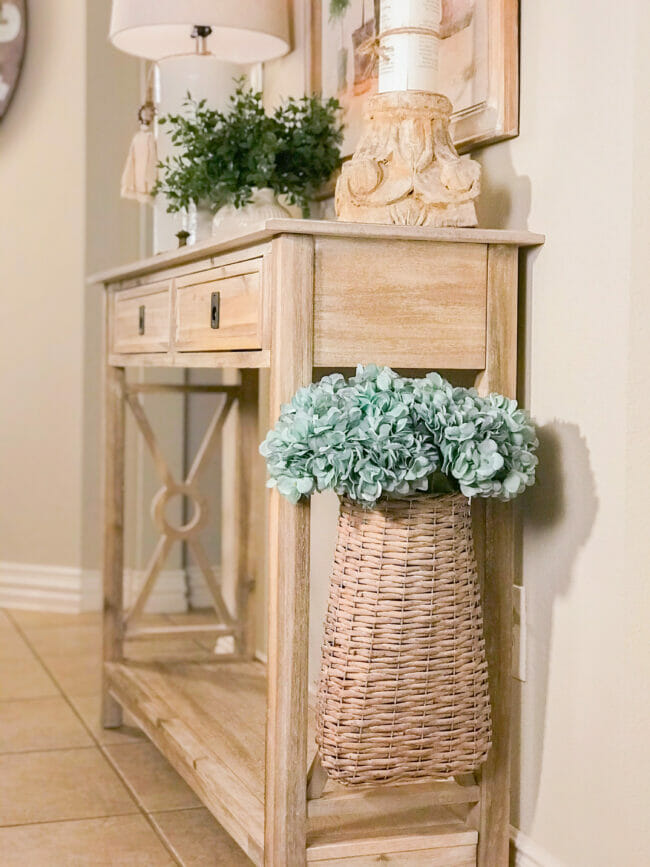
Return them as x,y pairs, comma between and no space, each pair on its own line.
479,61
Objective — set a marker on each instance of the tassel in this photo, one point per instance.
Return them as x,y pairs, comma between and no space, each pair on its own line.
141,169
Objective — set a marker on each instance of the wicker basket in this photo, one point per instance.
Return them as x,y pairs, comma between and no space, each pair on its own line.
403,690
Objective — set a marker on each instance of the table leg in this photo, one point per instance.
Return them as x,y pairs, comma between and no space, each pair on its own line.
498,562
286,750
113,572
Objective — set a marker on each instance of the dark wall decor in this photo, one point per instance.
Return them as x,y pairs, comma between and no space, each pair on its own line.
13,33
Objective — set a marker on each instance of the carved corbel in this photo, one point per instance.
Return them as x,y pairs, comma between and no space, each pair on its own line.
406,169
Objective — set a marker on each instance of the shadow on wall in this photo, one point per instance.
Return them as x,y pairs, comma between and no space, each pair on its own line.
557,519
505,204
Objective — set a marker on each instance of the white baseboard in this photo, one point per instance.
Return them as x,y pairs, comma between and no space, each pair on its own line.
528,853
169,595
47,588
199,595
72,590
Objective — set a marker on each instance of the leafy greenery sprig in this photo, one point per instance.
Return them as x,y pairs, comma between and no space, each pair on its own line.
338,8
222,156
309,137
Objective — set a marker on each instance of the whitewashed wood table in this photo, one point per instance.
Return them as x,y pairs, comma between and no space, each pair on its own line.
292,297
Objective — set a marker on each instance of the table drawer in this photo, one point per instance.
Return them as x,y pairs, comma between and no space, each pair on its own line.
220,309
140,319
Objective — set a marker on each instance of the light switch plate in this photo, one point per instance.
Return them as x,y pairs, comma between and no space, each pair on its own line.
519,632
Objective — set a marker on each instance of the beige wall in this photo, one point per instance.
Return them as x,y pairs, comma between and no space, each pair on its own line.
72,102
635,590
577,172
42,271
115,233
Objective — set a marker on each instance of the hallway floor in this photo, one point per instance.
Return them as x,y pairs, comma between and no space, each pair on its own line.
71,793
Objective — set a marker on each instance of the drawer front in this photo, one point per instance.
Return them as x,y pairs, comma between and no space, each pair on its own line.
370,306
220,309
140,319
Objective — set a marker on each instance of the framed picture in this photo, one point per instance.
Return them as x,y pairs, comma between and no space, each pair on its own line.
478,64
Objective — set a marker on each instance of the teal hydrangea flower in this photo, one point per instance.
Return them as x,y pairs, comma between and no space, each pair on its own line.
487,444
355,437
380,434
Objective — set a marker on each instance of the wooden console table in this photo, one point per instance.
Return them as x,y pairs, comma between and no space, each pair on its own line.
291,297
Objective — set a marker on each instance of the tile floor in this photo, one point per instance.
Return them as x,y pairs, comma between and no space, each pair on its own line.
71,793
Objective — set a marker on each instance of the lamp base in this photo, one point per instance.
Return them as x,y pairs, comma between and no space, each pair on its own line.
406,169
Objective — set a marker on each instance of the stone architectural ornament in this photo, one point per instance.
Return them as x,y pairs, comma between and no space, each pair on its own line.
406,169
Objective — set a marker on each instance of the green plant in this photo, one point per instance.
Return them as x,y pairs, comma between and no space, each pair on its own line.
338,8
222,156
309,147
380,434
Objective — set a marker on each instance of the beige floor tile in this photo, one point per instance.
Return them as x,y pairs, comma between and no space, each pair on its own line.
37,619
208,645
119,841
197,839
88,706
197,617
65,640
4,618
40,724
154,620
165,649
12,644
76,675
24,678
154,781
57,785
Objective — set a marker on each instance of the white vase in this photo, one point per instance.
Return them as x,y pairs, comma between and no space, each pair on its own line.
205,77
199,223
230,221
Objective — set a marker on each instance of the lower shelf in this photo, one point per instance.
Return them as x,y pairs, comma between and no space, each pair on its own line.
208,719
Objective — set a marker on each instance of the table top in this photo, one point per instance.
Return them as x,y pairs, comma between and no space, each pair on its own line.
327,228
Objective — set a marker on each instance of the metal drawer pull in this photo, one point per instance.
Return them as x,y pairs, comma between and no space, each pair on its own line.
214,310
141,319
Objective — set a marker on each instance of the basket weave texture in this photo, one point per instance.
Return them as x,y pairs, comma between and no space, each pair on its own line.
403,691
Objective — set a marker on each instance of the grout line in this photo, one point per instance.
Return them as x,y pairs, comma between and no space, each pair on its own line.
147,816
179,810
42,627
49,672
23,637
64,821
37,626
4,753
102,748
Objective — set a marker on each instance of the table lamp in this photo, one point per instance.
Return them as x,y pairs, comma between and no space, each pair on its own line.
241,32
245,31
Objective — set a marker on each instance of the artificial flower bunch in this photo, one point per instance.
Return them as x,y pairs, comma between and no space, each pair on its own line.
380,434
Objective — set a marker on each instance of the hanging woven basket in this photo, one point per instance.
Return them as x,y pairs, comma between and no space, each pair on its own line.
403,691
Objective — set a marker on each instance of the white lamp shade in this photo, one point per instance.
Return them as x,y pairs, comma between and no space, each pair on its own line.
243,31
